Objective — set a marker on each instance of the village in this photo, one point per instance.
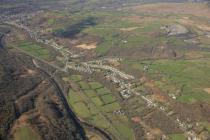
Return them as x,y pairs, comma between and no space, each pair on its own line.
123,81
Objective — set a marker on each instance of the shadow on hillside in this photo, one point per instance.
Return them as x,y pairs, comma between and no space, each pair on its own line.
75,29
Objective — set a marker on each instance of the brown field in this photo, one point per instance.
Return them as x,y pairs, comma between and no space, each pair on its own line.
207,90
200,10
93,136
128,29
197,24
16,35
87,46
193,54
28,73
139,19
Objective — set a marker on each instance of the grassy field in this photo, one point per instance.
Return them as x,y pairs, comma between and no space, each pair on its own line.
112,28
124,130
90,93
82,109
76,78
34,49
118,35
135,26
127,28
190,77
103,91
84,85
177,137
95,85
107,98
25,133
96,104
206,125
126,31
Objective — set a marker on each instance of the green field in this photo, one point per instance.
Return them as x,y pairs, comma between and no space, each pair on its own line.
99,121
82,110
73,96
109,25
189,77
95,85
107,98
109,28
26,133
84,85
177,137
93,103
35,50
206,125
111,107
103,91
90,93
76,78
124,130
140,36
97,101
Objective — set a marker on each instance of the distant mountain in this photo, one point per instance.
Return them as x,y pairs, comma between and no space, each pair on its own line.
72,5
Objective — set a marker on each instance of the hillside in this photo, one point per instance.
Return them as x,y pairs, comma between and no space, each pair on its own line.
31,103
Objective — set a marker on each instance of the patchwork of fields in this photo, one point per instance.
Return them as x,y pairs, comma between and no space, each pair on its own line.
97,105
188,79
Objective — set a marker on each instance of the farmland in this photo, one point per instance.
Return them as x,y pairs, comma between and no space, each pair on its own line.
171,75
110,70
35,50
95,104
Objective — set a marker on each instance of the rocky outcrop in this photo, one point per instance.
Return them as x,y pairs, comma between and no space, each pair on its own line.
175,29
